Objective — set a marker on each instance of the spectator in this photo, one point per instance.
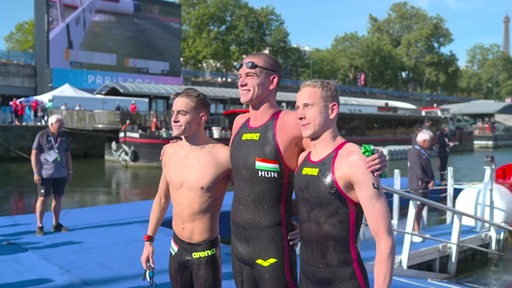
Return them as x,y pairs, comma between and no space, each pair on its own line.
118,107
52,167
420,175
14,109
125,125
155,124
35,110
133,107
443,151
21,112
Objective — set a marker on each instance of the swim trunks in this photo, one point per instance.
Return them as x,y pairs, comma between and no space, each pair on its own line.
195,265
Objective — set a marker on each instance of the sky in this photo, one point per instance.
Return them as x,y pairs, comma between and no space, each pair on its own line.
316,23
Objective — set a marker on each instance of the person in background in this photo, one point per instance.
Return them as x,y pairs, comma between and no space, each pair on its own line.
155,124
196,198
64,106
427,124
420,175
49,105
35,110
443,151
334,192
14,109
125,125
43,113
118,107
133,107
52,167
21,112
417,129
265,146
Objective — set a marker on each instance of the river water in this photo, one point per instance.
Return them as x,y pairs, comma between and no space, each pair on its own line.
96,182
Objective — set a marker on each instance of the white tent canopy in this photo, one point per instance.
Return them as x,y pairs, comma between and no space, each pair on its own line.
64,90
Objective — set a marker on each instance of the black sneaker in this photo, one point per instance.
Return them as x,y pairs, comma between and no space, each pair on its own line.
59,228
40,231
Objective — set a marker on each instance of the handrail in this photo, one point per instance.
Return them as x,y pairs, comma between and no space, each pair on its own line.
454,242
443,207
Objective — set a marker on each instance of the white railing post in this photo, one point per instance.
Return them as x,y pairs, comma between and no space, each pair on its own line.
449,195
454,245
487,188
408,235
396,198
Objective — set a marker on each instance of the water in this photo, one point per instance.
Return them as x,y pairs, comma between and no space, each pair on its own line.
96,182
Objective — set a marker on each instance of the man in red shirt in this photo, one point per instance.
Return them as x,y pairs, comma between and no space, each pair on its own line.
133,107
35,108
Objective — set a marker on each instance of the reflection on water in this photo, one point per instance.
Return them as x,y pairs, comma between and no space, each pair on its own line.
94,182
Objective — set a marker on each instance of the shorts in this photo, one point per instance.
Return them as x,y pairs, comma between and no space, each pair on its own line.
51,186
421,193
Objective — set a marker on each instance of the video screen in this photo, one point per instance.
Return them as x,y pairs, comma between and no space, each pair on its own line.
92,42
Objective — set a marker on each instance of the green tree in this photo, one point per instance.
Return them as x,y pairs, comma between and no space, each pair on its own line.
487,73
418,39
218,33
22,37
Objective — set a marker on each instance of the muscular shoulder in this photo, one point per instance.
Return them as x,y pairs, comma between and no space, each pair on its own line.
239,120
350,160
168,148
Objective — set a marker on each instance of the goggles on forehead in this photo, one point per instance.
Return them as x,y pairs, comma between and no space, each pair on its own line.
251,65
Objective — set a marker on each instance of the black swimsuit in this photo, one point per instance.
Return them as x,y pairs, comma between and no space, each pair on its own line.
194,265
261,211
329,226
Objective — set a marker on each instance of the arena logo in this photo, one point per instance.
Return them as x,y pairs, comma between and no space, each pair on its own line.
205,253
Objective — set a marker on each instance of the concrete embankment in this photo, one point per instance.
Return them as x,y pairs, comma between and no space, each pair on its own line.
16,142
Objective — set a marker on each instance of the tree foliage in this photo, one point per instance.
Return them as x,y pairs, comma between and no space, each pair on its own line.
487,73
413,40
218,33
22,37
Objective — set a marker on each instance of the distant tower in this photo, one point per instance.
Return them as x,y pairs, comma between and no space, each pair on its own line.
506,35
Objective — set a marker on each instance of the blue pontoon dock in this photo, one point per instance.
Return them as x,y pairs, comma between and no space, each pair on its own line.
105,243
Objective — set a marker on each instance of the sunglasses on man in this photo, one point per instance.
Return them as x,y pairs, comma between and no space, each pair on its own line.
251,65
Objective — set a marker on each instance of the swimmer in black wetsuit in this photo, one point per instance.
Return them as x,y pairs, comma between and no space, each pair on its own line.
261,211
265,146
334,191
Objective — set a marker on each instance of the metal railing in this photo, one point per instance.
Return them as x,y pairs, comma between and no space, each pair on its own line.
487,227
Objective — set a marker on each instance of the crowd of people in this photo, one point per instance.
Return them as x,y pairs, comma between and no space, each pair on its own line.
33,112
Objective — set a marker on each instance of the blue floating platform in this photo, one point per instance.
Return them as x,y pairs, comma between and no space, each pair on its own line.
103,249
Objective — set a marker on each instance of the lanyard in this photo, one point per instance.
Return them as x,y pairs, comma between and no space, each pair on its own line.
55,145
422,150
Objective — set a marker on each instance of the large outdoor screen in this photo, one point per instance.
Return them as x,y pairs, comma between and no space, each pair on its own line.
92,42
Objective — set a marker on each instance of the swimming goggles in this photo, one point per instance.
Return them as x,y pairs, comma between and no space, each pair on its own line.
251,65
149,274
